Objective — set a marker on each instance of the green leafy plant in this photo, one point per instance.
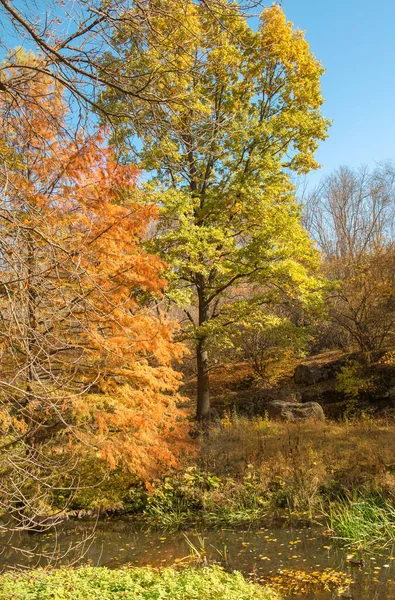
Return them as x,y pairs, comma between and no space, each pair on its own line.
140,584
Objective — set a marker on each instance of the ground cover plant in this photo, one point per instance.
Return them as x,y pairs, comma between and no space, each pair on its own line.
138,584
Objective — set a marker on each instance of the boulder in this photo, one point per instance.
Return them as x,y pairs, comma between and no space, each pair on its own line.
386,413
293,411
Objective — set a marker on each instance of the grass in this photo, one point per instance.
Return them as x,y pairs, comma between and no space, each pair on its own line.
98,583
300,466
363,522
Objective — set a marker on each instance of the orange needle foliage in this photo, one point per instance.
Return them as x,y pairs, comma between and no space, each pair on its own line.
86,359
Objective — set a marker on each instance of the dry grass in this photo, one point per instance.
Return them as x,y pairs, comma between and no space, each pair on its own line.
299,465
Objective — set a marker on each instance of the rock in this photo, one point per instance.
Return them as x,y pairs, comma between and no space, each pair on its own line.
292,411
324,397
310,374
380,392
386,413
305,375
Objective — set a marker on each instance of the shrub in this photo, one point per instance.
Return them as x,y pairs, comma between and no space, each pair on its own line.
202,496
351,382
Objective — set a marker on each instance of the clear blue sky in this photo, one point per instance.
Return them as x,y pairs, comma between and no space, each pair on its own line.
355,41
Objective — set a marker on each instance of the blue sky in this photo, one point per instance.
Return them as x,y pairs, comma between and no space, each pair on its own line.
355,41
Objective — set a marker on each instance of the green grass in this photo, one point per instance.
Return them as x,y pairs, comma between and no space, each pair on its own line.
98,583
363,522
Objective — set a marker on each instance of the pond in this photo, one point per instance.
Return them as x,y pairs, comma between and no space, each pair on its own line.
268,555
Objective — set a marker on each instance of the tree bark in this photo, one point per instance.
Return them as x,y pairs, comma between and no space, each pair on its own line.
203,385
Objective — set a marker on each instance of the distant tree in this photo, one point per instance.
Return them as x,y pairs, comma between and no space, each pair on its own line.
86,365
219,161
351,216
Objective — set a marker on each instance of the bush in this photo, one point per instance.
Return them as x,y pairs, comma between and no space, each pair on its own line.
351,382
194,495
269,344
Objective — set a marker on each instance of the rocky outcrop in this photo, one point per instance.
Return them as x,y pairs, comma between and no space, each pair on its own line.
311,374
386,413
329,396
305,375
294,412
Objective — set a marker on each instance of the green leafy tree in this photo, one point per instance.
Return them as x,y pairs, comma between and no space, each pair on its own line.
219,162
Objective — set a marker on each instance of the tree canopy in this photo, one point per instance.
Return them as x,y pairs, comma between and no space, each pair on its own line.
219,163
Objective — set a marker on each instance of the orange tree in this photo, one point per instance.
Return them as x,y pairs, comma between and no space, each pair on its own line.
86,363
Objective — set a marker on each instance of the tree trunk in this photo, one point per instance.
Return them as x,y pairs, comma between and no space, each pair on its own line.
203,387
203,391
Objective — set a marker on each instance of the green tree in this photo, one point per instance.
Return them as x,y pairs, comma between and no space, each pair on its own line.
219,161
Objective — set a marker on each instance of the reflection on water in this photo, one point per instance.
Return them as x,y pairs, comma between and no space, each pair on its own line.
257,554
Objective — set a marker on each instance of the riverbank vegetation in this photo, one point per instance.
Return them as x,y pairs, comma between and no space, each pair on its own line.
252,472
101,247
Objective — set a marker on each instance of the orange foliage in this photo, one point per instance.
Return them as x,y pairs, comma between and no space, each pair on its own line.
83,348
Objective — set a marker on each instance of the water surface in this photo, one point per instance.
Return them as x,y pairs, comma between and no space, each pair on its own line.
261,554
